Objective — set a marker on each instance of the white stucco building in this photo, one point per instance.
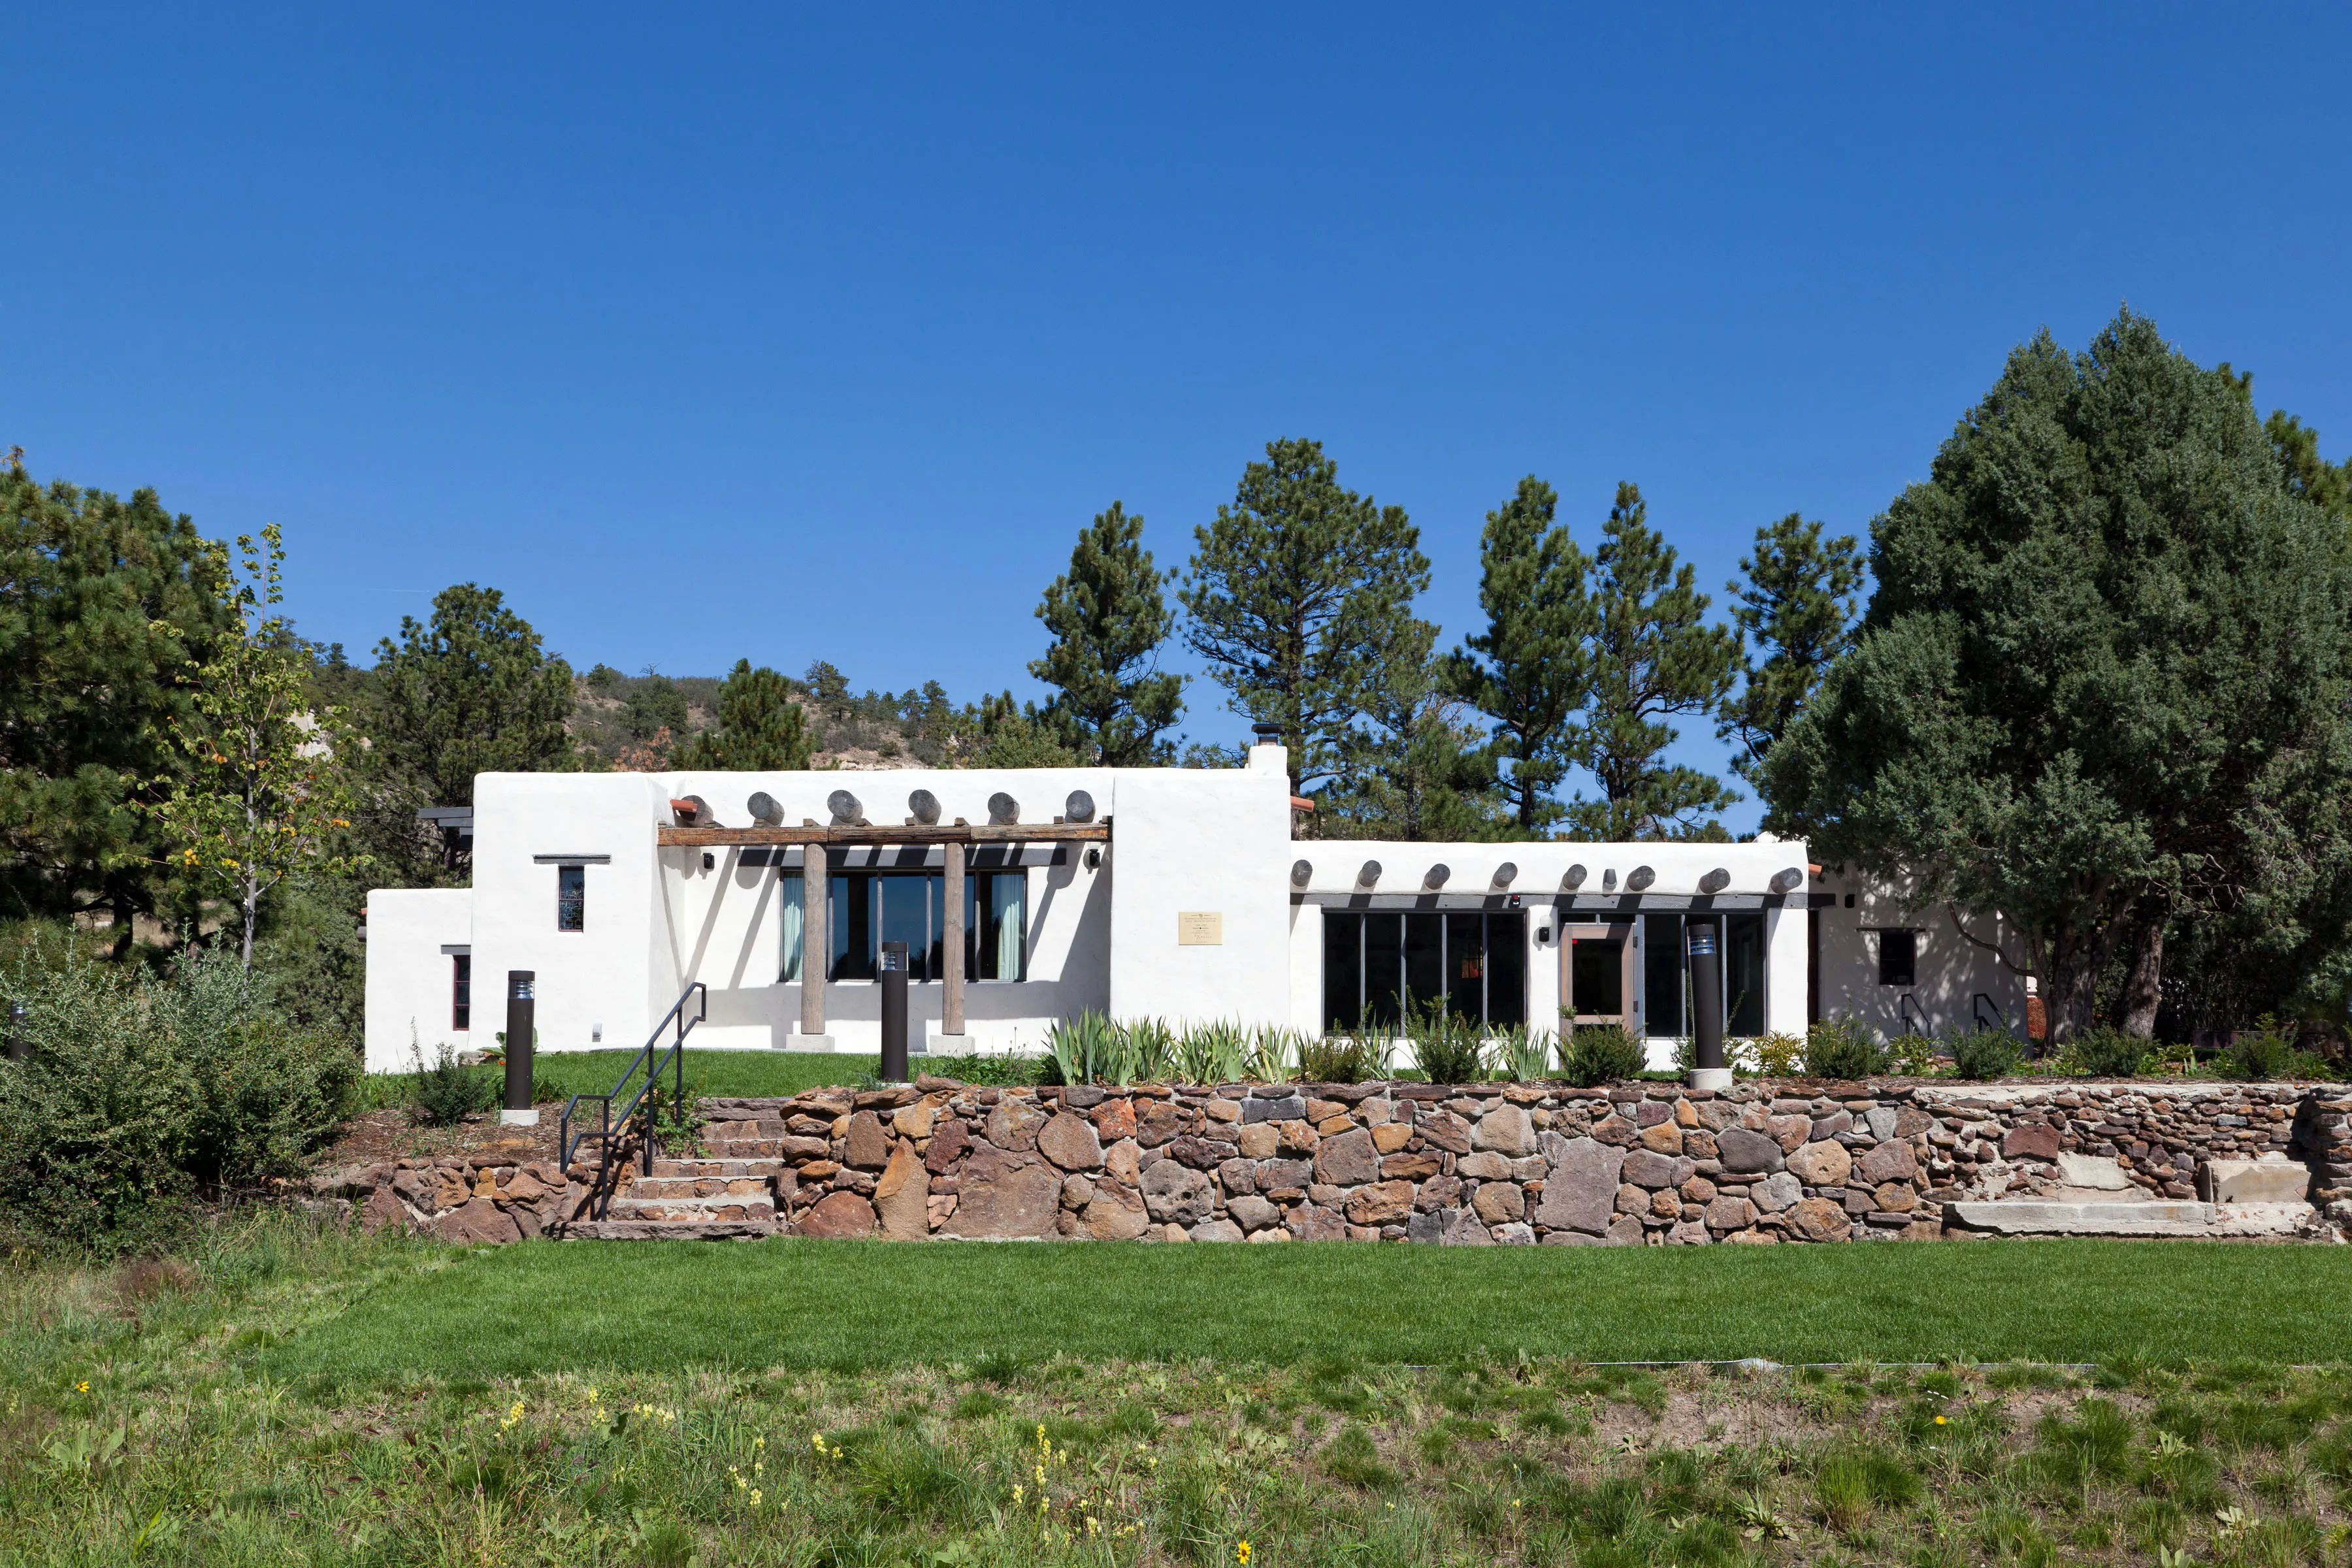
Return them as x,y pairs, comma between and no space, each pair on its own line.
1172,893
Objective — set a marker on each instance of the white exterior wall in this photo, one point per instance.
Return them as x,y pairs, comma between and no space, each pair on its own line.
1950,973
1216,841
1106,938
602,985
410,932
1542,868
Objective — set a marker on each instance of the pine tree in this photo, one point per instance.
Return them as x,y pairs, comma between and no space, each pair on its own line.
103,604
1109,619
1301,595
1798,602
470,692
1421,771
1652,656
2100,682
761,728
1527,670
2309,476
999,733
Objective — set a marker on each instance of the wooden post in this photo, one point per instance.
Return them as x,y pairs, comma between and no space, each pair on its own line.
816,944
951,946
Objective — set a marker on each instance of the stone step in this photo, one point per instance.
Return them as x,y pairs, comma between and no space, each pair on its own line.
648,1230
694,1210
769,1149
665,1187
2031,1218
724,1170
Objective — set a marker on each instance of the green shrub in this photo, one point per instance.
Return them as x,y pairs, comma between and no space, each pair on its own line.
1595,1054
1334,1058
1446,1048
443,1092
2268,1052
1843,1047
138,1087
2103,1051
1982,1054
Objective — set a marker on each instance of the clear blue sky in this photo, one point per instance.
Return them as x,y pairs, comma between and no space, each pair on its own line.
796,333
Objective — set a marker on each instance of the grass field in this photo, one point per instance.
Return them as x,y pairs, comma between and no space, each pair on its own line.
666,1306
749,1074
279,1395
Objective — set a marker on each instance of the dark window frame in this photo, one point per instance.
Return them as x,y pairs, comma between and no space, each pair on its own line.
1899,957
571,897
1380,997
461,993
850,901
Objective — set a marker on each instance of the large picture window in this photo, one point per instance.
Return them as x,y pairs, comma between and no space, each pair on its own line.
865,909
1376,965
1666,974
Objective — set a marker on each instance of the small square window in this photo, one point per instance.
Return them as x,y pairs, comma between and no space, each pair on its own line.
571,897
1899,956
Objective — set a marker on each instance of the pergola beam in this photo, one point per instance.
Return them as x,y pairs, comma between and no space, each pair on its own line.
885,838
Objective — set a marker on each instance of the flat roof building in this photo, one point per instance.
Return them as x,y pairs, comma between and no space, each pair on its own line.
1026,897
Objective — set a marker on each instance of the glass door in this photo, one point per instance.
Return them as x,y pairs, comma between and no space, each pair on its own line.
1596,974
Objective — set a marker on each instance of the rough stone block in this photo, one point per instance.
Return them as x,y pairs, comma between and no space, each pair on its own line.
1252,1213
1889,1162
1819,1219
1006,1197
1821,1164
1382,1203
1177,1195
1744,1150
2272,1178
1348,1159
1580,1183
841,1215
1506,1130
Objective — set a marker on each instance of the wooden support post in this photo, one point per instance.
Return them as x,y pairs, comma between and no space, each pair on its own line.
816,943
951,946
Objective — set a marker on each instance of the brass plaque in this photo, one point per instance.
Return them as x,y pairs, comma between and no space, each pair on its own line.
1200,928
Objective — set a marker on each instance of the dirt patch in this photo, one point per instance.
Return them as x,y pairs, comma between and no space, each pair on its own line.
379,1137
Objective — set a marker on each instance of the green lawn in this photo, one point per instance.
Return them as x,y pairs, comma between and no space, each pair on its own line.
740,1073
650,1306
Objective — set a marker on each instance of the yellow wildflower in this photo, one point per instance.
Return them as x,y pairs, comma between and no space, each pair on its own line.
1241,1552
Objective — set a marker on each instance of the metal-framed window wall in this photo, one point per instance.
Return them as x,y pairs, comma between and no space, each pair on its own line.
1377,963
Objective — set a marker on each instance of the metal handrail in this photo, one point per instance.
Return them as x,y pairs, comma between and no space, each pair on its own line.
696,992
1906,1008
1981,1004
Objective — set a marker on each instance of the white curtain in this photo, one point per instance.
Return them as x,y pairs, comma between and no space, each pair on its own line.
788,921
1008,901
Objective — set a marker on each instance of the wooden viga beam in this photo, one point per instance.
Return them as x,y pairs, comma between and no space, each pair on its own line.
886,838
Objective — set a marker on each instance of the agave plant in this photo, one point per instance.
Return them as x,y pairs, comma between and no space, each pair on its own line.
1524,1053
1082,1047
1273,1054
1216,1052
1150,1051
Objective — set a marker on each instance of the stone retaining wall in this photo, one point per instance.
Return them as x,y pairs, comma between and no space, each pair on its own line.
1482,1165
1496,1163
